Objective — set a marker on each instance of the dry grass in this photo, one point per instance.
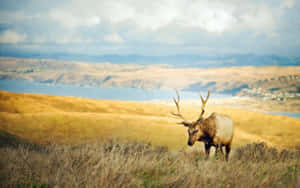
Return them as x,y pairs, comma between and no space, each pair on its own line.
132,164
258,104
44,119
78,149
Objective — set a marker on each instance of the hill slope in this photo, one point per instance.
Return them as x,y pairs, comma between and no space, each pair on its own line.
44,118
271,82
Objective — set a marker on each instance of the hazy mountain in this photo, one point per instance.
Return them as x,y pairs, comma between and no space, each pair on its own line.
182,61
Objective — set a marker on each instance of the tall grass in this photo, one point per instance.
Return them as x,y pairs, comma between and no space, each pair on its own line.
133,164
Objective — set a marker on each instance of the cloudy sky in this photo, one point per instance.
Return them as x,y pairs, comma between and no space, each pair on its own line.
156,27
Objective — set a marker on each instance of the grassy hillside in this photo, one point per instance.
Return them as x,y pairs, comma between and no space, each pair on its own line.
132,164
44,119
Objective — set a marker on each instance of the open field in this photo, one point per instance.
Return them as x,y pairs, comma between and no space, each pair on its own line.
53,119
132,164
52,141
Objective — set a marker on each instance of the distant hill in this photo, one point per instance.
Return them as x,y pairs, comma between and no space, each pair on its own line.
231,80
270,82
180,61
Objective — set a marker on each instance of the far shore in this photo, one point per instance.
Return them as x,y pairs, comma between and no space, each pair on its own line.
249,104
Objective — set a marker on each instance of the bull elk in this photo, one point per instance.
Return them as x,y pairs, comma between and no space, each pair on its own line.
216,130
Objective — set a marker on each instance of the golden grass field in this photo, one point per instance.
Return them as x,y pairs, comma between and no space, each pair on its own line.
54,119
83,151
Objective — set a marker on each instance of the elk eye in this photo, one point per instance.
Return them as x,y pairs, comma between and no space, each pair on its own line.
195,131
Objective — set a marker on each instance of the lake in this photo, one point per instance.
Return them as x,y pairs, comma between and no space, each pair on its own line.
128,94
290,114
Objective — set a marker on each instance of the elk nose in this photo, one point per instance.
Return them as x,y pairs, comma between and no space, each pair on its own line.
190,143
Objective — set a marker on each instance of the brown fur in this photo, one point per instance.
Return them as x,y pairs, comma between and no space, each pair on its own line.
209,125
203,130
206,133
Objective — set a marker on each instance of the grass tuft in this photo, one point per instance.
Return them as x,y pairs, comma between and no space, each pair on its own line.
135,164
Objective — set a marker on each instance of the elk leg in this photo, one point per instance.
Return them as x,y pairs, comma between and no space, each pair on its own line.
207,150
221,149
228,148
217,147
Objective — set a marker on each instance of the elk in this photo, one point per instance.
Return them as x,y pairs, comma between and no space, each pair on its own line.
216,130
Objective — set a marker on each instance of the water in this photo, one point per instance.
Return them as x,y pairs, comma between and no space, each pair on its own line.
129,94
290,114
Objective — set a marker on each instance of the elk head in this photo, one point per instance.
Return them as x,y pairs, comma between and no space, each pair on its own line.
194,128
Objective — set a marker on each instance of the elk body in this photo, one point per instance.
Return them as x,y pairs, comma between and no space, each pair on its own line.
216,130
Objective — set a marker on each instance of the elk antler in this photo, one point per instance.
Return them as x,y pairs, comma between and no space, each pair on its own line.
178,114
203,104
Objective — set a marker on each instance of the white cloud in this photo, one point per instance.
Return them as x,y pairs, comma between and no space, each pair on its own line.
113,38
288,4
259,18
8,17
72,20
168,40
210,16
39,39
72,40
93,20
171,24
10,36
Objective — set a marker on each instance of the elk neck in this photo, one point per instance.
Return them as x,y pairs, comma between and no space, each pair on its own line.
208,125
